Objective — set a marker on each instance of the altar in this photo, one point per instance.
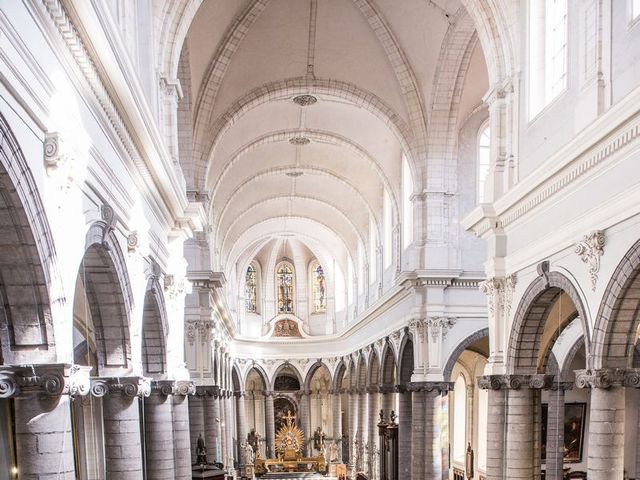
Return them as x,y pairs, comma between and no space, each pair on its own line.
289,458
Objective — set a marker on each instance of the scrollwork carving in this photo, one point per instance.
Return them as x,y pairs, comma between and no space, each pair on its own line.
590,249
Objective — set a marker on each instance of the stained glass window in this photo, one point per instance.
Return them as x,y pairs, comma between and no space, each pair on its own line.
284,284
318,285
250,290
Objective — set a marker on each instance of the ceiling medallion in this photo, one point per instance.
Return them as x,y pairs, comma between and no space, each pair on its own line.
299,141
294,174
305,100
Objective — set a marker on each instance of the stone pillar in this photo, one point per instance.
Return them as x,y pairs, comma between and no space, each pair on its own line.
269,428
196,420
336,418
158,429
210,419
121,414
519,457
232,444
555,431
374,407
353,426
44,441
182,448
305,418
606,420
223,427
362,429
241,414
404,432
218,437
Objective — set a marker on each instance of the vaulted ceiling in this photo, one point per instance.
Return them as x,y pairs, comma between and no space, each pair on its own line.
301,112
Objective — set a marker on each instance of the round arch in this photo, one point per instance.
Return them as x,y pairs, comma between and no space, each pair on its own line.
155,329
452,358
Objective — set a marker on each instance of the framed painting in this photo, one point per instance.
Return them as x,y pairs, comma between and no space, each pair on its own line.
573,423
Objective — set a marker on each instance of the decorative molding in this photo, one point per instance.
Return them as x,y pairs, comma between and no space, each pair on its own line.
440,387
515,382
438,326
162,387
304,100
184,388
49,379
608,378
590,249
499,292
127,386
299,141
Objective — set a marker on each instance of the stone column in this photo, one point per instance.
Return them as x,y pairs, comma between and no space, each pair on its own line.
182,448
606,420
232,450
353,426
404,432
269,428
336,418
305,418
121,414
196,420
223,427
210,419
519,457
218,437
158,429
44,441
417,431
241,414
555,431
362,429
373,393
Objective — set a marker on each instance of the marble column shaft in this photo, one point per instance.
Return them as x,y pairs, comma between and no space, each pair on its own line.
417,434
555,435
404,433
353,426
269,419
211,420
336,418
122,436
362,429
374,408
520,462
181,437
305,419
232,444
241,414
158,427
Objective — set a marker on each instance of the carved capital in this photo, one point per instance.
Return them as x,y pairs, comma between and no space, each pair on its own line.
184,388
438,326
127,386
590,249
608,378
440,387
499,292
387,389
50,380
162,387
515,382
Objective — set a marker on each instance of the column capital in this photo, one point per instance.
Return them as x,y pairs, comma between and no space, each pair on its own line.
400,388
127,386
387,388
239,394
184,388
47,379
207,390
162,387
440,387
268,393
515,382
557,385
373,389
608,378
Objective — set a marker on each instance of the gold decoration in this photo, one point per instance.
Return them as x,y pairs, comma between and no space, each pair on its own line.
289,439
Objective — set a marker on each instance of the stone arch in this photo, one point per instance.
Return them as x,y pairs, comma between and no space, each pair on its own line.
565,373
28,270
103,273
405,361
290,369
530,319
388,367
373,377
236,378
616,324
461,347
353,378
155,328
318,365
361,371
260,373
341,371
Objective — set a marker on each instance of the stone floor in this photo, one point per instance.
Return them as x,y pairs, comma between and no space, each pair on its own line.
295,476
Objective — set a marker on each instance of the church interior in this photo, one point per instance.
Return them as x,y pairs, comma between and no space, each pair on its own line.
340,239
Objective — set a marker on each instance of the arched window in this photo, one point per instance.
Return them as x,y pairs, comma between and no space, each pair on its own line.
284,286
251,290
484,160
459,416
318,289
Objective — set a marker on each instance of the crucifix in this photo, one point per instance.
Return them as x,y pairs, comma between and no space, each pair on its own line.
289,418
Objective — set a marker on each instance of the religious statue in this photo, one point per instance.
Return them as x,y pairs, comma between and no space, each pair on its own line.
249,457
333,452
381,414
252,439
201,451
318,440
393,417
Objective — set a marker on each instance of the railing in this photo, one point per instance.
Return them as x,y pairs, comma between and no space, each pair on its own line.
458,474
